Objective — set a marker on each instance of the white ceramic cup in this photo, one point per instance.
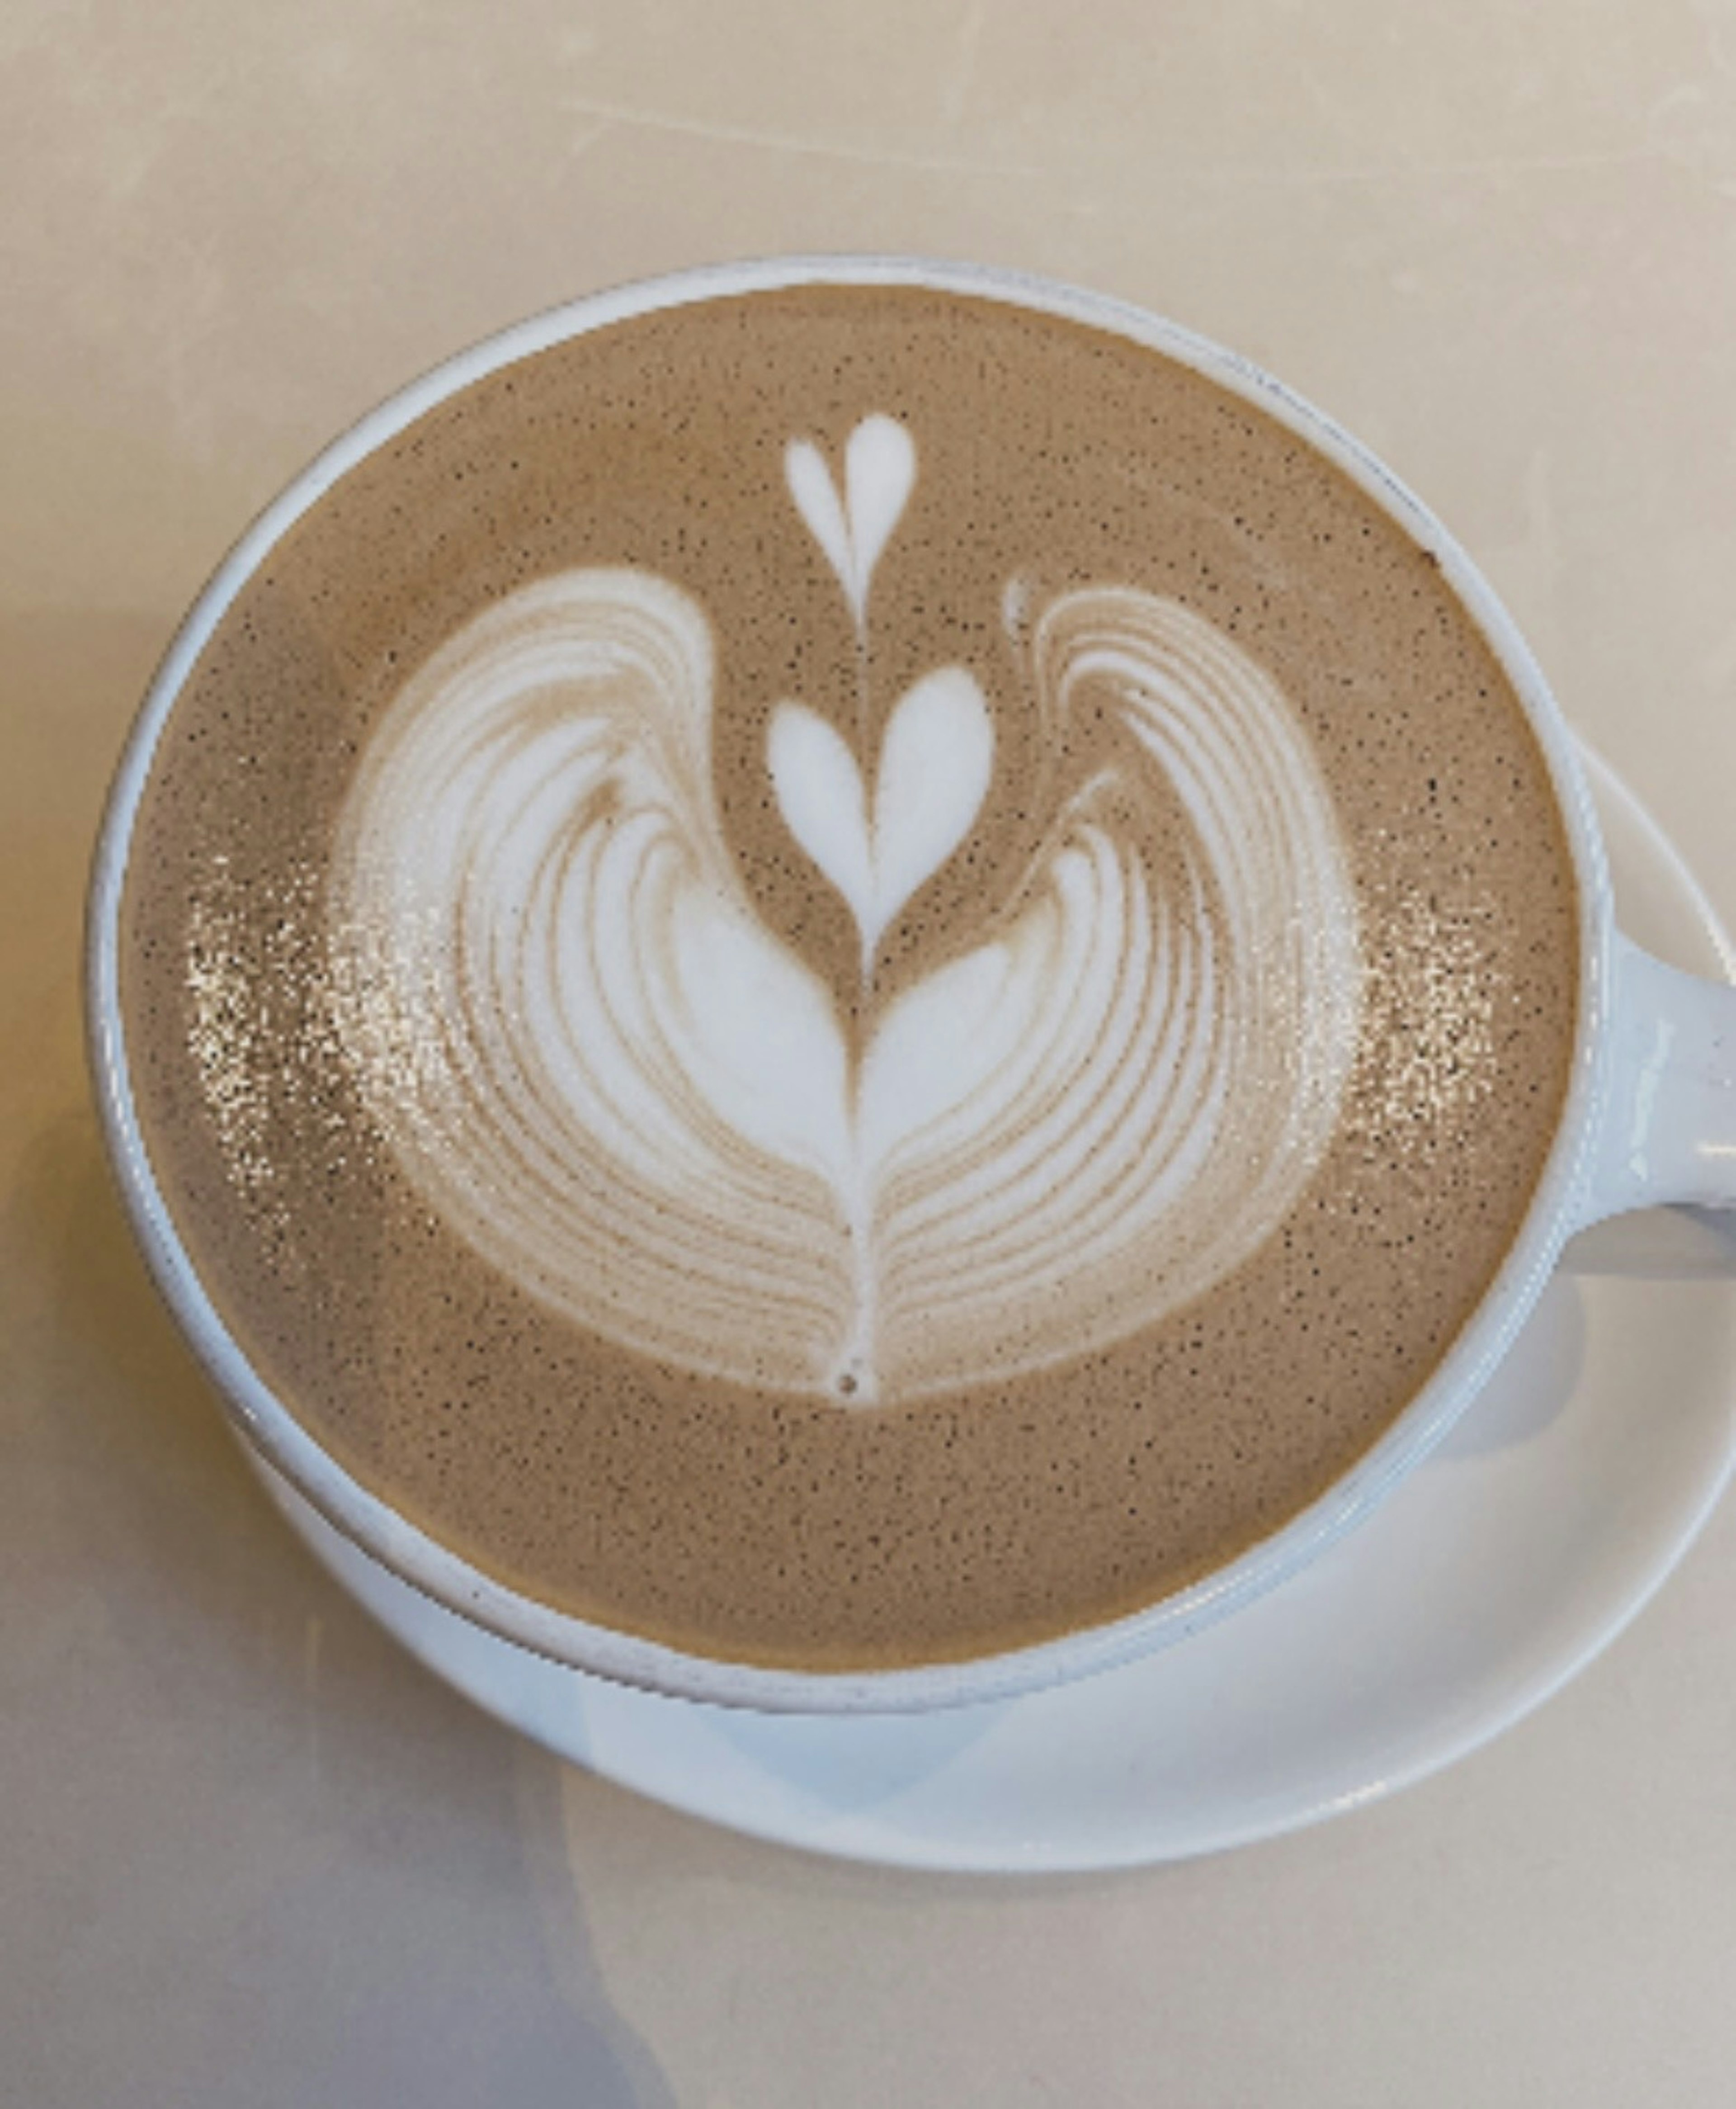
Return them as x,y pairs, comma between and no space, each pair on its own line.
1650,1117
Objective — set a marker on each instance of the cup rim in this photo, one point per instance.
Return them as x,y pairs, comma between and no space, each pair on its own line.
266,1423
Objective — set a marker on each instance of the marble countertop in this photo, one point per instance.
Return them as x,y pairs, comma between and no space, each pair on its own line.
250,1853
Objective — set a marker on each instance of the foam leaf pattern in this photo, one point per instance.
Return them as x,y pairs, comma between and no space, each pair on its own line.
589,1055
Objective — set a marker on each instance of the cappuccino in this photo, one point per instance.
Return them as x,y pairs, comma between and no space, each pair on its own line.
847,975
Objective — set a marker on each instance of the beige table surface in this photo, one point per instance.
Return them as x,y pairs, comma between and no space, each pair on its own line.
250,1854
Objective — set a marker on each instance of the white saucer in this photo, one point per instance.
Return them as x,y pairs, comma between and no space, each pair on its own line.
1562,1500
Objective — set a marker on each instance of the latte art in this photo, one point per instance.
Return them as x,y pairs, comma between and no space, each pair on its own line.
597,1063
847,976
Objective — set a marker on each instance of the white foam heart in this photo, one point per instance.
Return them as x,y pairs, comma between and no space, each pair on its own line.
879,475
935,762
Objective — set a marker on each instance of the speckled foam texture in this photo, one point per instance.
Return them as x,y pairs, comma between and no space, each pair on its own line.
780,1528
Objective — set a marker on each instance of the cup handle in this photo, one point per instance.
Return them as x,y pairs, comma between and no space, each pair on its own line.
1669,1126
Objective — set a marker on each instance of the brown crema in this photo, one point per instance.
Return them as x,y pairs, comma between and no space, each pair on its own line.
772,1525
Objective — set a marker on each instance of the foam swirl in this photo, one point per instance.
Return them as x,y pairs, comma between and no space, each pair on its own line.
589,1055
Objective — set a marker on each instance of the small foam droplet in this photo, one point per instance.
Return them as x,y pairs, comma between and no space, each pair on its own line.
1015,608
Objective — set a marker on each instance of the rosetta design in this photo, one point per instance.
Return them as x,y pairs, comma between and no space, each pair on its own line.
589,1054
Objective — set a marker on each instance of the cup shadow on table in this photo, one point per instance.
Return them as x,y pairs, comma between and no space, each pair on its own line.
1538,1378
368,1811
1657,1244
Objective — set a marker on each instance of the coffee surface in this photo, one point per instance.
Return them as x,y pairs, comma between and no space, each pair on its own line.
847,976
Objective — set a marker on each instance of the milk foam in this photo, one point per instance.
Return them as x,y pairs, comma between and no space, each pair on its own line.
879,475
591,1057
934,765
